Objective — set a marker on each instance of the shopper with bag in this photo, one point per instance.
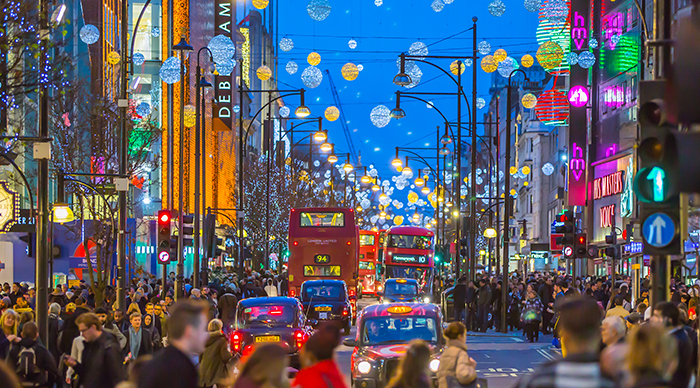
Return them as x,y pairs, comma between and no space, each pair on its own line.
456,369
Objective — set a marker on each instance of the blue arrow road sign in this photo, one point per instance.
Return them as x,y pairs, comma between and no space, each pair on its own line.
659,230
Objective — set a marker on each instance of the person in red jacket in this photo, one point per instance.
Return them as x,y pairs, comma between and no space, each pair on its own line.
319,369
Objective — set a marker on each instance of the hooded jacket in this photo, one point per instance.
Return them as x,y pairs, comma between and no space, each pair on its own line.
102,363
213,365
455,362
44,361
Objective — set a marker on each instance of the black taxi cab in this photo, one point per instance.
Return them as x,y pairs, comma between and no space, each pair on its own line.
327,300
278,320
383,335
400,290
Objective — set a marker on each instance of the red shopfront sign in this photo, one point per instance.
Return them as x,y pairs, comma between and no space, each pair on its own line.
607,216
608,185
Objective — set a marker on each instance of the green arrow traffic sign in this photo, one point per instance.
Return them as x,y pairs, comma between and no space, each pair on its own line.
656,176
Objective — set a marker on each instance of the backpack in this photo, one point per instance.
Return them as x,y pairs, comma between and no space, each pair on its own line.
27,369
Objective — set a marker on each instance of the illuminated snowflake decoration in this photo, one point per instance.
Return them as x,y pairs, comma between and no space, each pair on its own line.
286,44
468,62
284,111
378,3
225,68
155,32
506,67
407,173
312,77
373,172
484,47
556,11
437,5
614,40
292,67
89,34
143,109
573,58
593,43
170,70
365,203
416,74
236,108
380,118
222,48
327,174
532,5
586,59
360,67
352,43
497,8
138,59
548,169
319,9
480,103
418,49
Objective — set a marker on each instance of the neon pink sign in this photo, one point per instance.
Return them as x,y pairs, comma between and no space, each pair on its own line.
614,96
577,165
579,34
578,96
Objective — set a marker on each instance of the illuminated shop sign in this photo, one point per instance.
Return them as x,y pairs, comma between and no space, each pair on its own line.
607,214
578,96
608,185
579,34
223,22
632,248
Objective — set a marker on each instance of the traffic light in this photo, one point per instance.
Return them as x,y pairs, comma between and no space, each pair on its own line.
30,240
163,235
581,246
187,230
656,182
566,228
218,246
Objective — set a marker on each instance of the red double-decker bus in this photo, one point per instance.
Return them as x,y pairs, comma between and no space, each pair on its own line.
323,244
369,260
409,253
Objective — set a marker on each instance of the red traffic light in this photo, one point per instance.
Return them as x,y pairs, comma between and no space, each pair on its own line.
164,216
581,239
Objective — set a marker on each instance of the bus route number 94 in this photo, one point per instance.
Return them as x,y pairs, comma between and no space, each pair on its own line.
322,259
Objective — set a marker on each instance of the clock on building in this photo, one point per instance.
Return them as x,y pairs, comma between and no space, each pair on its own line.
9,207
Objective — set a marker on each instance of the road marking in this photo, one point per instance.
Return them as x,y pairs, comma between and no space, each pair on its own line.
517,340
545,354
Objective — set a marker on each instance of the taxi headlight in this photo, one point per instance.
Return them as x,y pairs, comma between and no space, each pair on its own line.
384,301
364,367
434,365
426,299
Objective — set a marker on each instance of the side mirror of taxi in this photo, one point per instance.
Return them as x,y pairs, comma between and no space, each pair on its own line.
380,293
350,342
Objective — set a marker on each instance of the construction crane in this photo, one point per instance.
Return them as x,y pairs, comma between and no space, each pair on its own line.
348,138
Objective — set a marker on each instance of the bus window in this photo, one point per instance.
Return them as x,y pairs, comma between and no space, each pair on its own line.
409,241
366,240
367,265
322,219
322,270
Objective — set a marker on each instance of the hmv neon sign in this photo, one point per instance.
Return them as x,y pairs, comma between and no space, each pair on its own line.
579,34
577,165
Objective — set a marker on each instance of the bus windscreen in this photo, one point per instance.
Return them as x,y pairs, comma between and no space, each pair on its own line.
322,219
324,271
409,241
366,240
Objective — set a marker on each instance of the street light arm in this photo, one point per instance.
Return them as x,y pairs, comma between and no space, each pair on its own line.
94,189
245,138
136,27
24,178
406,94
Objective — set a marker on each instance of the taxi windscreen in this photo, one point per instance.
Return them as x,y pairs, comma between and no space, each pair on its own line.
322,291
389,330
395,288
267,315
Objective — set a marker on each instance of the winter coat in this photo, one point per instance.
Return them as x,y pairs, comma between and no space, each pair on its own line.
70,330
102,364
213,364
324,374
227,308
110,328
55,325
146,342
484,296
44,361
455,362
532,310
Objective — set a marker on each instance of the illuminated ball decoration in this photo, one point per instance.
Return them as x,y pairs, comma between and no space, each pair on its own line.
480,103
529,101
260,4
292,67
155,32
497,8
138,59
586,59
560,34
412,197
236,108
506,67
552,107
437,5
349,71
313,58
573,58
113,58
143,109
500,55
416,74
532,5
556,10
550,55
548,169
484,47
286,44
527,60
448,1
378,3
222,48
332,113
614,40
380,116
360,67
468,62
488,64
264,73
593,43
418,49
319,9
89,34
190,116
170,70
312,77
352,43
284,111
455,67
398,220
226,67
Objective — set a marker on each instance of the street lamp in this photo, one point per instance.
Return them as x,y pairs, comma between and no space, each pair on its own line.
302,111
326,147
407,170
375,187
402,79
397,112
490,233
320,135
419,182
62,213
366,179
332,159
425,190
397,162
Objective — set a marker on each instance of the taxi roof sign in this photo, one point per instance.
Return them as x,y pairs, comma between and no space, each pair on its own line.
399,309
401,281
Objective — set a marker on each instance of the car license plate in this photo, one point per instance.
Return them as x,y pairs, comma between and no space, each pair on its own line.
322,315
323,308
268,338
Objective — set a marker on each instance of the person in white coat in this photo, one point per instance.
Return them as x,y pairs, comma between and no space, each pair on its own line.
270,289
455,363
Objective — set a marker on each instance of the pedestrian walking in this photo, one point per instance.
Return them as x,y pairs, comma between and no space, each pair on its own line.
8,379
456,367
319,369
483,303
532,315
214,364
108,326
172,366
265,368
667,315
102,363
34,364
9,322
652,357
270,289
227,308
412,371
55,326
138,339
459,295
613,331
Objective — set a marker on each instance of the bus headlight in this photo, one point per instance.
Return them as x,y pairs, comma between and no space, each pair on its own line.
379,288
364,367
434,365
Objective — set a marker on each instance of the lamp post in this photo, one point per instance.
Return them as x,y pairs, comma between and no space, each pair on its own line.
183,47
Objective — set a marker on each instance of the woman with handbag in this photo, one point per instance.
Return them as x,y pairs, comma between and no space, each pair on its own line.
456,369
213,365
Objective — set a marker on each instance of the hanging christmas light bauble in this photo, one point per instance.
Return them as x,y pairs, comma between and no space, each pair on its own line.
527,60
484,47
550,55
113,58
286,44
556,11
332,113
572,58
312,77
552,107
468,62
236,108
89,34
586,59
170,70
380,116
352,43
360,67
416,74
284,112
500,55
190,116
319,9
349,71
488,64
532,5
398,220
529,101
143,109
222,48
378,3
437,5
593,43
155,32
480,103
497,8
506,67
260,4
264,73
455,67
313,58
418,49
225,68
292,67
548,169
138,59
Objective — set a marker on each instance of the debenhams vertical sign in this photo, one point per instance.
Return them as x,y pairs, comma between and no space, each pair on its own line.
224,26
